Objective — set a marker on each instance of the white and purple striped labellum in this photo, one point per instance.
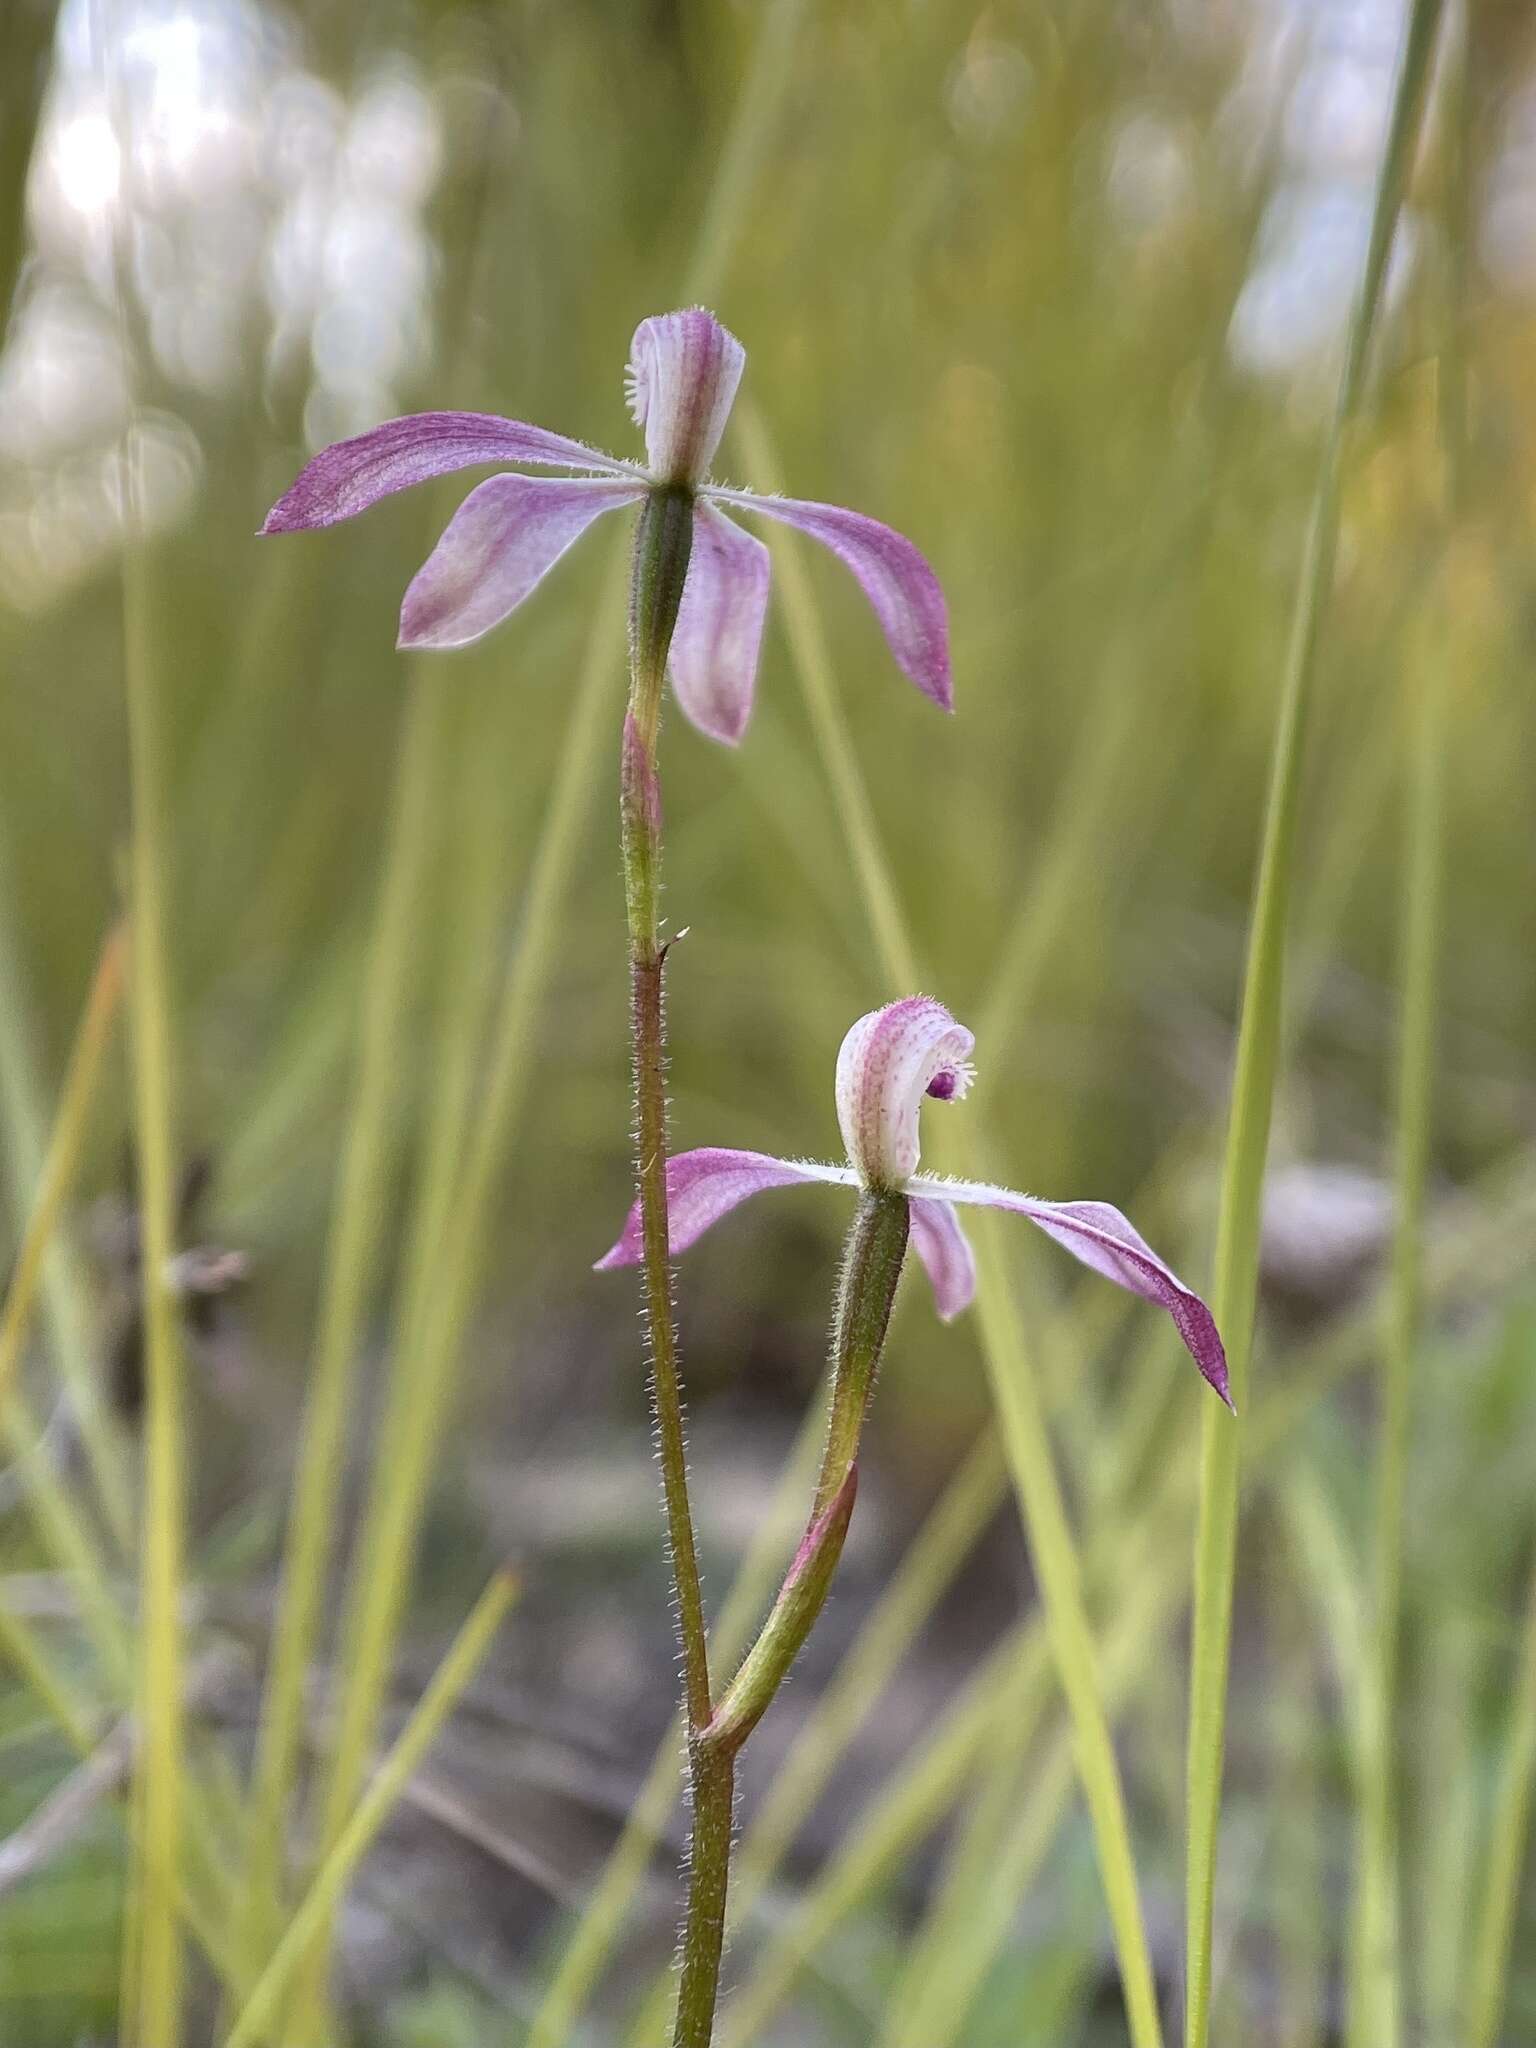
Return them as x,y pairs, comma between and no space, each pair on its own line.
511,530
890,1061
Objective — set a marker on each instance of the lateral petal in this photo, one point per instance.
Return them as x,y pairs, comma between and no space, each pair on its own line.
503,540
901,587
945,1251
719,627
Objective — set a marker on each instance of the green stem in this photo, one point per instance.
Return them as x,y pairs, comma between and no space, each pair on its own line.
712,1771
877,1244
662,545
793,1616
1258,1059
866,1294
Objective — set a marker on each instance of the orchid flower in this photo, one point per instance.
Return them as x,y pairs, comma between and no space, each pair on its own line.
890,1061
511,530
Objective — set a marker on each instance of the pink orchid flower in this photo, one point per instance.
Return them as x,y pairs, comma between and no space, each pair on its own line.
511,530
889,1062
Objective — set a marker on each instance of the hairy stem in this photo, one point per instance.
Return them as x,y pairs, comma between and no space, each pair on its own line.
712,1773
877,1244
661,563
662,545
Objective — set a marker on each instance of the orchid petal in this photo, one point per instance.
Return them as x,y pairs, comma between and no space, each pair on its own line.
720,626
946,1254
348,477
705,1185
505,537
681,382
1102,1238
889,1060
893,575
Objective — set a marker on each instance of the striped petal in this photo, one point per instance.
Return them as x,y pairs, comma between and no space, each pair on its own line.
720,626
887,1063
1102,1238
945,1251
898,582
705,1185
500,544
349,476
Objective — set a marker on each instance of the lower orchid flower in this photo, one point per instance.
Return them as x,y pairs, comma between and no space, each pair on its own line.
891,1060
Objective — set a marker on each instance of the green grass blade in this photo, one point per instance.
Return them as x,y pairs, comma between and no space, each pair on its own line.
1493,1939
1375,2003
159,1807
1259,1035
385,1787
895,1821
63,1157
153,1973
350,1276
66,1295
160,1696
431,1325
65,1531
202,1883
1375,1996
1011,1846
1014,1389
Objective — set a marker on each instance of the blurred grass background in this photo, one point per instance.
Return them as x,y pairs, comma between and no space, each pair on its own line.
1058,291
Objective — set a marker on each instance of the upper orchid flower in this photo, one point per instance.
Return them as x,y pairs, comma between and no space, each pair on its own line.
889,1061
510,531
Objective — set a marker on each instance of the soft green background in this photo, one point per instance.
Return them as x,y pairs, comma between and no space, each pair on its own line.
1027,282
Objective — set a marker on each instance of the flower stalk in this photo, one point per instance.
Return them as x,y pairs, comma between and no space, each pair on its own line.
872,1262
877,1245
662,545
